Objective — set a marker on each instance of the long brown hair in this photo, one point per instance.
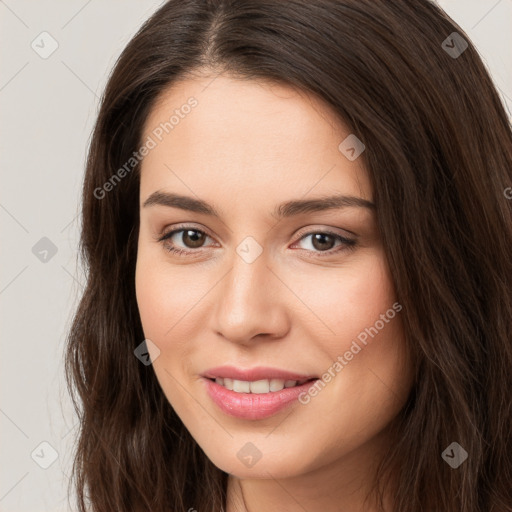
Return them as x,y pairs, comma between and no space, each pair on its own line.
439,156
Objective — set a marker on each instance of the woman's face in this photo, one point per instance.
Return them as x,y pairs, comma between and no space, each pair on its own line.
268,290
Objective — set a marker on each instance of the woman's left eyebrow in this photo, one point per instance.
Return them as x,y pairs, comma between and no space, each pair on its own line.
286,209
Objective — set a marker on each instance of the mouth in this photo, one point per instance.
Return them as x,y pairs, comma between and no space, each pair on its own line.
261,386
255,399
255,393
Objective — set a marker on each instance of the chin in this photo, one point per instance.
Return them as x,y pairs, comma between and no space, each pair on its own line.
249,462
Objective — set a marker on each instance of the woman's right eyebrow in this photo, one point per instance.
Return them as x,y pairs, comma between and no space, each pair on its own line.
286,209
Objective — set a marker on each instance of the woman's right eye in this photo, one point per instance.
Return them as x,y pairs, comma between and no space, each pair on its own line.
191,238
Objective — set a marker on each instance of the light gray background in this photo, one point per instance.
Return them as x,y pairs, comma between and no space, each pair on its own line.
48,107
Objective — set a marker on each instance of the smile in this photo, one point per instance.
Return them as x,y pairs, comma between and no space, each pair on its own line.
258,386
254,400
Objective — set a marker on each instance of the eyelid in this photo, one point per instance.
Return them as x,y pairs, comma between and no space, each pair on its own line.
319,229
182,227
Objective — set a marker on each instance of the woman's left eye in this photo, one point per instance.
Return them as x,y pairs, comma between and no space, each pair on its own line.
324,242
193,238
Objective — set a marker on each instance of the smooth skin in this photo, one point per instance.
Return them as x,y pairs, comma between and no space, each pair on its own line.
247,147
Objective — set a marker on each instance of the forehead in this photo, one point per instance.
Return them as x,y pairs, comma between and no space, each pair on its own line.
247,136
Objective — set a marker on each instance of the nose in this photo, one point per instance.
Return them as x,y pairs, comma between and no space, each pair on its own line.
250,302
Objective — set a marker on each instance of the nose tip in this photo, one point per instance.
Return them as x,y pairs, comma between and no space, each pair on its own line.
248,302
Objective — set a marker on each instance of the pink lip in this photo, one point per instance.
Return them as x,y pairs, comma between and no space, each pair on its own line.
252,374
253,406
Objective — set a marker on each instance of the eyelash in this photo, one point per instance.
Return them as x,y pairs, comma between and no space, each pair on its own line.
347,244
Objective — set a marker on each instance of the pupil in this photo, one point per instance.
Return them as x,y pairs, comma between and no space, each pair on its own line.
319,240
197,237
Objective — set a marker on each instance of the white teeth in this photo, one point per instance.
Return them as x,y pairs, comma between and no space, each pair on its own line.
241,386
276,384
258,386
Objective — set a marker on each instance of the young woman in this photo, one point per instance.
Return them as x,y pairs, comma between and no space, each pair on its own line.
297,220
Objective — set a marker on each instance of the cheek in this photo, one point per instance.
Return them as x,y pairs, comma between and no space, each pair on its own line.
153,302
367,300
345,302
357,326
371,329
162,301
163,296
172,306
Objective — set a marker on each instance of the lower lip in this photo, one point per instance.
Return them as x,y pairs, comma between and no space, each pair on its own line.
254,406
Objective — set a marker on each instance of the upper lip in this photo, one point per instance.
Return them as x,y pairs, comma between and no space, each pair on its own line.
254,374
